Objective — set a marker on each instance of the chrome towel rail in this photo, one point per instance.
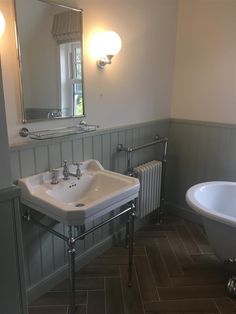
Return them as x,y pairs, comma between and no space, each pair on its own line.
129,150
158,140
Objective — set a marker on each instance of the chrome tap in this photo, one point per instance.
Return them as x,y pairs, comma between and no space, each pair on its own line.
54,176
78,172
66,173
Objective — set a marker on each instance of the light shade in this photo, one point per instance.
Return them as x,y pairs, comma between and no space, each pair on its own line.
2,24
110,43
105,45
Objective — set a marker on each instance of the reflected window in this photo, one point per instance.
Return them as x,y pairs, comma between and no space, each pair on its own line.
71,78
77,79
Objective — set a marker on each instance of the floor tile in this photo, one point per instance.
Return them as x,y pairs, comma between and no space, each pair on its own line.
199,237
170,259
113,296
186,237
159,269
82,283
96,302
60,298
115,251
145,279
189,292
181,306
174,272
225,306
48,310
99,271
131,295
179,249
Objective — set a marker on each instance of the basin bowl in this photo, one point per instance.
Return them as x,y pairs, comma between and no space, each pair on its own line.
78,201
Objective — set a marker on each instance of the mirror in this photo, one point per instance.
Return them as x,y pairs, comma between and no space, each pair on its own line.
51,62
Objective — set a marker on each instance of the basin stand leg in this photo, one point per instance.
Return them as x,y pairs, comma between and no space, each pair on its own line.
127,234
71,260
131,242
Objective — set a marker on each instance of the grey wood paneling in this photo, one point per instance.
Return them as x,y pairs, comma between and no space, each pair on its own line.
97,148
12,283
67,151
44,253
114,155
41,159
54,153
59,248
87,148
27,162
122,162
15,166
106,151
136,141
78,150
230,157
198,152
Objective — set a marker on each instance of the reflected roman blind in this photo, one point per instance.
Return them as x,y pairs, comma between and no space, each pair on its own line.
66,27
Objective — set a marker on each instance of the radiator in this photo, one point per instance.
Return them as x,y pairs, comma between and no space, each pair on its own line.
149,175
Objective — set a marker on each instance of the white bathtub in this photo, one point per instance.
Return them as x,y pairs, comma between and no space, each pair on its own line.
216,203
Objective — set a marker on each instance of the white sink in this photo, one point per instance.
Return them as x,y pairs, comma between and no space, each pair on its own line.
74,201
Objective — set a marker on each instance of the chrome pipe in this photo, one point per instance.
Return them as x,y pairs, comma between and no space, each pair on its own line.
121,148
163,175
127,234
27,216
129,163
71,262
131,242
81,236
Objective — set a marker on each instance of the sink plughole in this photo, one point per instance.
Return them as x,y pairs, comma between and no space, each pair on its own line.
74,201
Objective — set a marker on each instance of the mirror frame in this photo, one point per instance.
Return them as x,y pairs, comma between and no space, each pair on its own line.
20,68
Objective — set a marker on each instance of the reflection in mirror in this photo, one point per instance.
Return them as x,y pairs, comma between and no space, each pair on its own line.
50,54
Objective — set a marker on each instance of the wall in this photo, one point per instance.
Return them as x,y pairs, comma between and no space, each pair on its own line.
5,178
12,288
205,72
12,284
198,152
135,88
204,90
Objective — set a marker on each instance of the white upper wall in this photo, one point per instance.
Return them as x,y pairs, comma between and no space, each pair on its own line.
205,72
137,87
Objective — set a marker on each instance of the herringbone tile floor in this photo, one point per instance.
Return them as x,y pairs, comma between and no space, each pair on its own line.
175,271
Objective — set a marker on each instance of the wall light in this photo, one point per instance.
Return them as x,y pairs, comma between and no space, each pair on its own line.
104,46
2,24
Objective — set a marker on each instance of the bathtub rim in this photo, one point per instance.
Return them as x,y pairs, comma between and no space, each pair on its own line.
203,210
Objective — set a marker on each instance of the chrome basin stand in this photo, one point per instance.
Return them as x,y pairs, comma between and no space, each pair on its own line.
71,242
71,265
